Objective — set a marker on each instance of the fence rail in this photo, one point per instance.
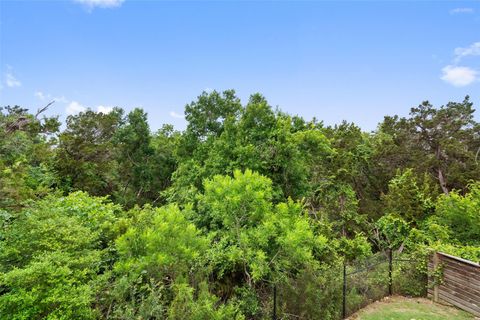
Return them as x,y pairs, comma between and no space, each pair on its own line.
458,283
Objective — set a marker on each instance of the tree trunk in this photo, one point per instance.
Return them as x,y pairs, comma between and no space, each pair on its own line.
443,184
441,178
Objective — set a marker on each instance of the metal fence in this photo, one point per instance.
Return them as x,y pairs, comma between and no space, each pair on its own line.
338,292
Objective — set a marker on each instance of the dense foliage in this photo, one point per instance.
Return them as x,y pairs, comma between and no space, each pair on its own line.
106,219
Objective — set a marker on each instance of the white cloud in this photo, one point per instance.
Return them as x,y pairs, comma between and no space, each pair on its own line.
104,109
90,4
459,76
461,10
176,115
472,50
11,81
74,107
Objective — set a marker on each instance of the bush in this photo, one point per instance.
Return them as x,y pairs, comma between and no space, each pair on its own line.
49,271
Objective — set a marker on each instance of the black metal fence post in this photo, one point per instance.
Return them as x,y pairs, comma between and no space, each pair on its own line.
274,314
344,302
390,268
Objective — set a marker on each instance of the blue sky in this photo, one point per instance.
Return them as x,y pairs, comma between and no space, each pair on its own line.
356,61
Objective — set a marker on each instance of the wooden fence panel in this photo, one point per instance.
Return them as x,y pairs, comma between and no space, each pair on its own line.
460,283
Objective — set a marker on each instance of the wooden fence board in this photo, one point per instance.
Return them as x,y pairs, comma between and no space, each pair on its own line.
446,297
467,272
460,283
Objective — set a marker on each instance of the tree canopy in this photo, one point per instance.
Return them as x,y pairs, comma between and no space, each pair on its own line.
101,218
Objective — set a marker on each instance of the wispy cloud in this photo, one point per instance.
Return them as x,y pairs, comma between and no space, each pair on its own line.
91,4
74,107
461,10
40,95
459,76
61,99
176,115
10,80
472,50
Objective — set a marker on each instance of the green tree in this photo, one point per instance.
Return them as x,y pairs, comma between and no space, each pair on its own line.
25,151
50,271
206,116
440,141
447,137
352,164
157,253
250,235
391,232
164,142
409,197
461,215
135,156
85,156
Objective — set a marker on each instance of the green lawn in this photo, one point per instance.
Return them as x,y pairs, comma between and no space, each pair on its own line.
400,308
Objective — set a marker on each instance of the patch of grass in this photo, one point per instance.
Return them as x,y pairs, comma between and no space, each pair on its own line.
400,308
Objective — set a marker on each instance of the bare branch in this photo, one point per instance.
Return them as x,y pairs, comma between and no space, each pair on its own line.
43,109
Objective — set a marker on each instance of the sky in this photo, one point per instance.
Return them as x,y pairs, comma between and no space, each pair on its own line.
345,60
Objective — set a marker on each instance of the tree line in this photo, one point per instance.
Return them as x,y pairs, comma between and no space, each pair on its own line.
107,219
